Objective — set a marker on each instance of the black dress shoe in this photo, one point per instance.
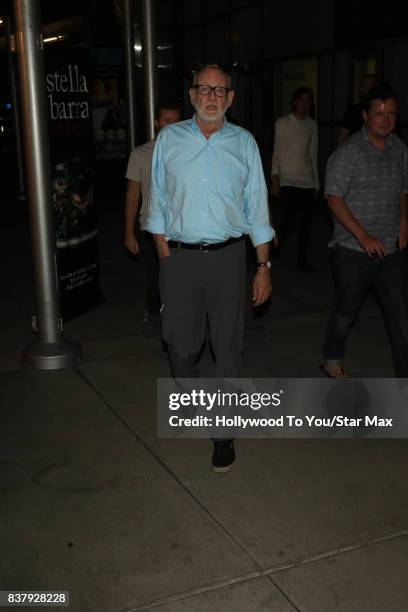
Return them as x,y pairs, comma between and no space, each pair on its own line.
223,456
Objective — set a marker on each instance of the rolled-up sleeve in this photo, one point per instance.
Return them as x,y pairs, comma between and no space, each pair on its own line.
156,210
256,198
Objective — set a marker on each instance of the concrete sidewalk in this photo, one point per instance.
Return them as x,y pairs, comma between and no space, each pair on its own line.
92,502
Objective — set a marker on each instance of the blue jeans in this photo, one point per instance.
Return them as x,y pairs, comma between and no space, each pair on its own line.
355,274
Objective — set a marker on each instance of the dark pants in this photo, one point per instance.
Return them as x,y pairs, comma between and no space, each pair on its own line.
198,286
297,209
151,267
355,274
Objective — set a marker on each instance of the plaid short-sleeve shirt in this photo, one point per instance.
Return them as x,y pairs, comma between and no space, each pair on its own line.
370,181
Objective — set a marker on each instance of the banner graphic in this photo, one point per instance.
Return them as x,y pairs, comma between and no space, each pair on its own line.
68,81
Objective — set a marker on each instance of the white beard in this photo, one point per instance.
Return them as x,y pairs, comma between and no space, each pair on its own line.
213,118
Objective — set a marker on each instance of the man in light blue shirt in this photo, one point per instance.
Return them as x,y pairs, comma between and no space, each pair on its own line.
207,193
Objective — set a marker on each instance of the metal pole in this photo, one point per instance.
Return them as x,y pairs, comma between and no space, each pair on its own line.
16,106
149,64
128,9
49,351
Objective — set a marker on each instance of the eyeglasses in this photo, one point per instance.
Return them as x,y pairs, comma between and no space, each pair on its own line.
205,90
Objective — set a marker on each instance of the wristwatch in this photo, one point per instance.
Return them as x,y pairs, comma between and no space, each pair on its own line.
263,264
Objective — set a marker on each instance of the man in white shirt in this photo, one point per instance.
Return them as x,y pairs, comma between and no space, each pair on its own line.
138,175
295,177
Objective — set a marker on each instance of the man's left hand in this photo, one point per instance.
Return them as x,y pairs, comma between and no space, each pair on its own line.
262,286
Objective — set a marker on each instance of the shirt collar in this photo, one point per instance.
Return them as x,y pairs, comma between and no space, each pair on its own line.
195,127
292,116
388,142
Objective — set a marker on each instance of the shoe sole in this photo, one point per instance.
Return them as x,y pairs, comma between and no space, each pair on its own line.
223,469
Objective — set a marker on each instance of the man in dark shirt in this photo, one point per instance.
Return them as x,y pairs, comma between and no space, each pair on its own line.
353,119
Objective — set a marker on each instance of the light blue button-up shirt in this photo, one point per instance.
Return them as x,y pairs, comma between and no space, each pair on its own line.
207,190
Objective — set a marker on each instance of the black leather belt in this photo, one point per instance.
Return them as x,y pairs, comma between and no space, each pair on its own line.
197,246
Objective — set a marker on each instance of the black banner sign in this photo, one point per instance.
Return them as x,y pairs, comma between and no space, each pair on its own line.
68,82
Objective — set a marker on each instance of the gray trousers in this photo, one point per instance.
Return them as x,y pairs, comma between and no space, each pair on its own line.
197,286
